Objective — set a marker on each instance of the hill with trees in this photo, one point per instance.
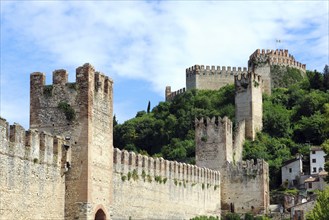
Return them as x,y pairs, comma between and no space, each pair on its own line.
294,118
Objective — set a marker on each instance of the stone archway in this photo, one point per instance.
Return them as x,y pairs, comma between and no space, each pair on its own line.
100,215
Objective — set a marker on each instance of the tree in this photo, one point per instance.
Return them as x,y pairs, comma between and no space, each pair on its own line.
316,82
326,77
321,208
148,107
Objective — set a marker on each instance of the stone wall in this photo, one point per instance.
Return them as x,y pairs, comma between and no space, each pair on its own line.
171,95
32,174
201,77
147,188
245,187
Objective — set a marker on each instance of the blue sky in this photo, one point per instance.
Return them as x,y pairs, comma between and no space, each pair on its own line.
145,45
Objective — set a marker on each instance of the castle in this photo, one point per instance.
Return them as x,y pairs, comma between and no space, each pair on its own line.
260,62
65,166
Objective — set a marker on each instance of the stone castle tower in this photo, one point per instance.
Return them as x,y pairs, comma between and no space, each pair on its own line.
82,113
249,103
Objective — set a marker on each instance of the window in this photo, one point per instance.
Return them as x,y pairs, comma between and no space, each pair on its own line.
320,169
314,169
310,185
313,160
290,170
313,151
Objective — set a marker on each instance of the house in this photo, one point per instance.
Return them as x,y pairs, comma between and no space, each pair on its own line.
291,172
317,160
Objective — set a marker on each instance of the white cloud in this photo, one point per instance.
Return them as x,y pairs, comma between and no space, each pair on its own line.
156,41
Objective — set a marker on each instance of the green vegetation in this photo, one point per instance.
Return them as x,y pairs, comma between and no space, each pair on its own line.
67,109
168,130
321,209
294,118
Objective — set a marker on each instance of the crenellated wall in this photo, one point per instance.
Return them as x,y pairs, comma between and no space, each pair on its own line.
275,57
148,188
33,167
171,95
245,187
211,77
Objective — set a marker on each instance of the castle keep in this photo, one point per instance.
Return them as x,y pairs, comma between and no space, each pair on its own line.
215,77
65,166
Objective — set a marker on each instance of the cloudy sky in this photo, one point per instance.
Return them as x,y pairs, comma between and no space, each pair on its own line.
145,45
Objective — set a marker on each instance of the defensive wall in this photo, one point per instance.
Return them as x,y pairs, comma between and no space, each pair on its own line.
33,167
148,188
209,77
171,95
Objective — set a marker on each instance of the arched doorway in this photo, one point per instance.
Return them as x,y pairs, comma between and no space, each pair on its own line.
100,215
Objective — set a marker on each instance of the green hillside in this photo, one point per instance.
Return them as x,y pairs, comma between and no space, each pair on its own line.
294,118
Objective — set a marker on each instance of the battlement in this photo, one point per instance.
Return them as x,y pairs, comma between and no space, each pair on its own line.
32,145
125,162
207,124
276,57
247,168
171,95
243,81
224,71
60,77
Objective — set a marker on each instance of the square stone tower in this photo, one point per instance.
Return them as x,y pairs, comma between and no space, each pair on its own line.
214,146
249,103
82,113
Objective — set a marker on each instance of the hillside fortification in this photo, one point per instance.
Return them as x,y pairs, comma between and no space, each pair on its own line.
215,77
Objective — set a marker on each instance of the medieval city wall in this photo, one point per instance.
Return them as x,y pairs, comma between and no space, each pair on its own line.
211,77
32,174
245,187
148,188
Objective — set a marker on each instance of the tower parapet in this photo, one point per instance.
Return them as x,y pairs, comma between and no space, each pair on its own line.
211,77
